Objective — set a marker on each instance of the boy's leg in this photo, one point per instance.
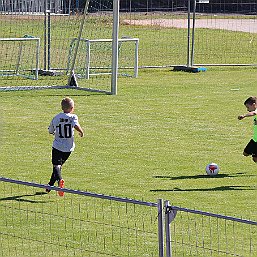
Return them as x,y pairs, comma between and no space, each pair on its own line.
58,159
64,158
56,176
251,149
254,152
53,179
57,171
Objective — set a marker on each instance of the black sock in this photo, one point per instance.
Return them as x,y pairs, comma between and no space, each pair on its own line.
57,171
56,175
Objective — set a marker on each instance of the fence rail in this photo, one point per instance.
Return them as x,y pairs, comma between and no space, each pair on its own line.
34,223
79,224
197,233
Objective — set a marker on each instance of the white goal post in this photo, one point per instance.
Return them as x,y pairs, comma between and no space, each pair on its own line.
20,57
88,69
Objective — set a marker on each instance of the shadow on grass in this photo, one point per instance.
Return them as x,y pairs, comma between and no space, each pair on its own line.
19,198
87,93
221,188
239,174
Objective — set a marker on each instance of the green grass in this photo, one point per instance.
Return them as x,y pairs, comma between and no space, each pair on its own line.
153,140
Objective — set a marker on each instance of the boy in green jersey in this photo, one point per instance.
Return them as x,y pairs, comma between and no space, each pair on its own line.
251,106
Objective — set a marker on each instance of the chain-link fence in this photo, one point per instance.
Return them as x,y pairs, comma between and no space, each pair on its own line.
171,33
34,223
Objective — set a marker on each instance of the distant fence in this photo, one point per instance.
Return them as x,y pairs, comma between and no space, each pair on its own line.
223,6
164,28
34,223
38,6
224,32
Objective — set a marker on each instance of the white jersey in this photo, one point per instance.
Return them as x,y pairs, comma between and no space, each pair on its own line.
62,126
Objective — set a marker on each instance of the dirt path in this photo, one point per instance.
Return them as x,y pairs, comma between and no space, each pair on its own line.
244,25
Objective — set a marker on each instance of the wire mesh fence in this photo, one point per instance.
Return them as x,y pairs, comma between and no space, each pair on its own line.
224,31
224,34
201,234
34,223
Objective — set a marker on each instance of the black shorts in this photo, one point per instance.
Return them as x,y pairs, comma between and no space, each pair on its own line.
251,148
59,157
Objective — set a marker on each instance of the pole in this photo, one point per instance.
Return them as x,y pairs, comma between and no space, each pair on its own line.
49,40
193,35
188,35
115,46
167,230
45,34
78,41
160,228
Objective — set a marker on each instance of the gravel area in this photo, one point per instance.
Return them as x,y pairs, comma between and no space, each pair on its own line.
244,25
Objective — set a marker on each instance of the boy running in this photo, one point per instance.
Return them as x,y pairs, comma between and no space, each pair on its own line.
62,127
251,106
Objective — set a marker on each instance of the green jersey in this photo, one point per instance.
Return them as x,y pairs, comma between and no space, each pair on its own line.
255,129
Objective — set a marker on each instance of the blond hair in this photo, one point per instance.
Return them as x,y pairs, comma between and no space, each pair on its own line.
67,104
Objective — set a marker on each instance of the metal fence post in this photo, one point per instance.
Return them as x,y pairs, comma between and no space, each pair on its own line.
160,227
169,217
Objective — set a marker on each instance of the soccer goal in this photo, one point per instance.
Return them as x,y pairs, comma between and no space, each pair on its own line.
19,57
41,61
95,57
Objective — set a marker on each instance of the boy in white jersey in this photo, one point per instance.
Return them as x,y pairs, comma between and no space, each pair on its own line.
62,127
251,106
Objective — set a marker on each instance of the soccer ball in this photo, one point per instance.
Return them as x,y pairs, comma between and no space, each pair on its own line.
212,169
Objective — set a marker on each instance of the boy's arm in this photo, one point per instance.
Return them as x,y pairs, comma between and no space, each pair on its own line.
51,129
79,129
249,114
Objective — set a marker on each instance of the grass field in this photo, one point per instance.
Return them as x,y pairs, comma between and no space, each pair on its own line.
153,140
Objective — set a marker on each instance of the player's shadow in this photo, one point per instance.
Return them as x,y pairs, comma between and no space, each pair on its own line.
239,174
19,198
221,188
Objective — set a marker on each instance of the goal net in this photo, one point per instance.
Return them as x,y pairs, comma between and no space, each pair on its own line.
94,57
19,57
44,59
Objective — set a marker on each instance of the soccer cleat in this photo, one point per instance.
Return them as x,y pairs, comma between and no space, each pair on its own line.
48,190
61,185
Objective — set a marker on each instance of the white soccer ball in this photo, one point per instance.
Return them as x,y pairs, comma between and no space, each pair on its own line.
212,169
